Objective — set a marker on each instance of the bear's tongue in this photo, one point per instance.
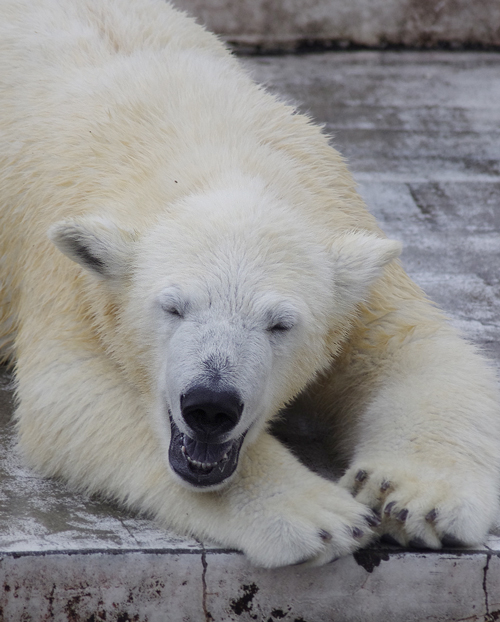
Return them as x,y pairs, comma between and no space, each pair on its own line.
205,453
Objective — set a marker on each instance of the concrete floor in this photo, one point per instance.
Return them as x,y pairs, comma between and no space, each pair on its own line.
422,134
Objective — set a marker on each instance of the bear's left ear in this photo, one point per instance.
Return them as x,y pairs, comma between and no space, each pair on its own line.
95,243
359,259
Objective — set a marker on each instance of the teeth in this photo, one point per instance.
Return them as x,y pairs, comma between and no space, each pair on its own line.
201,465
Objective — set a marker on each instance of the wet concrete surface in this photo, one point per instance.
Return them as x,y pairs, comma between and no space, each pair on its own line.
422,134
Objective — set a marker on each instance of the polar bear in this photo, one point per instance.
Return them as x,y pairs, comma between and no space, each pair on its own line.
184,259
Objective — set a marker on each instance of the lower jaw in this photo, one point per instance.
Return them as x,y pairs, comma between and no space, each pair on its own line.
201,487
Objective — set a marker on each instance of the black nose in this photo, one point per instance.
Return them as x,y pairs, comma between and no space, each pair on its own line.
211,414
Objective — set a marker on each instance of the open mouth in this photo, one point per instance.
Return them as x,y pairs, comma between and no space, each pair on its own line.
202,464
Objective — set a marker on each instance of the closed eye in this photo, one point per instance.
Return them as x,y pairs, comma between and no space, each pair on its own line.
281,319
280,327
172,303
173,311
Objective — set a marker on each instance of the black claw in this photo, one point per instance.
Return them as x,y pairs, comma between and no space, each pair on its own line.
417,543
388,539
325,536
402,516
452,541
388,508
357,533
373,520
361,476
431,516
385,485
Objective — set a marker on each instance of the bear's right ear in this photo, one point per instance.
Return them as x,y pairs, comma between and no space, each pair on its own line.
96,244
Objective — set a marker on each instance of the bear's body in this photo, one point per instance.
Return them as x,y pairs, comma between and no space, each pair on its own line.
223,268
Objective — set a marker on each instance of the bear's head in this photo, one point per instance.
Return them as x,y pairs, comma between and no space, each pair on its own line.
229,304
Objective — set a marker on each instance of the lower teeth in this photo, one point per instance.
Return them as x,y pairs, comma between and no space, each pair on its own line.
201,465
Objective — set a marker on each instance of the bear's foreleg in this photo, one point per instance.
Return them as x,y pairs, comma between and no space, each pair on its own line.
426,453
80,420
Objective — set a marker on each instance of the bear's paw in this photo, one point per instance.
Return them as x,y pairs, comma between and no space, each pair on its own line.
311,526
425,507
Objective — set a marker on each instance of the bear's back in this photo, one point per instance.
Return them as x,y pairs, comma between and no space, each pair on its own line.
122,108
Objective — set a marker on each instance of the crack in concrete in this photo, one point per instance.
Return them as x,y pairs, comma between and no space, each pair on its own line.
128,530
207,614
485,587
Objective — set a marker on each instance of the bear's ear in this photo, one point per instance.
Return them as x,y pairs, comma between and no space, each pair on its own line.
359,259
96,244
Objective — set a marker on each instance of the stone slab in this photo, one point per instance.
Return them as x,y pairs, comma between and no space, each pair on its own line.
100,585
295,24
157,586
372,585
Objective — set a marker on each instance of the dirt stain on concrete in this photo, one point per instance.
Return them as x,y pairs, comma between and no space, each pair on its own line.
370,559
244,603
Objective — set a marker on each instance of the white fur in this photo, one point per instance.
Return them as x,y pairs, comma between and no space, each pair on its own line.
200,213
